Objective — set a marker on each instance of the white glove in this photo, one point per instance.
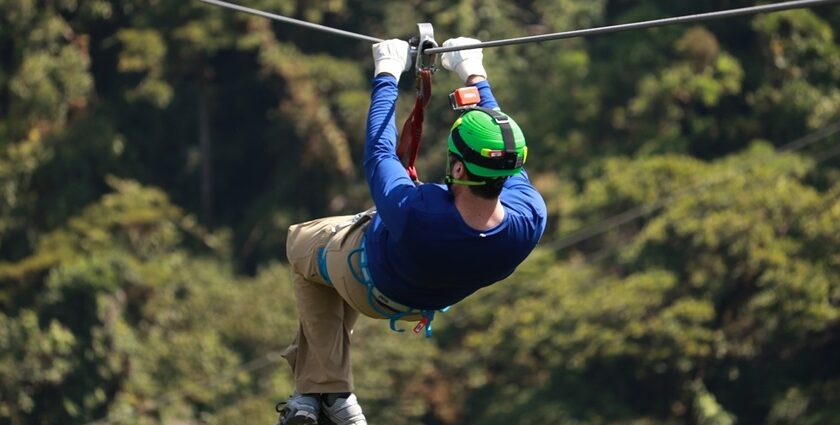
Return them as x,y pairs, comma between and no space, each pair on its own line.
391,56
463,62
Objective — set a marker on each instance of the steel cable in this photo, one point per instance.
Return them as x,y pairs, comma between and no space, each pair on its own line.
721,14
292,21
752,10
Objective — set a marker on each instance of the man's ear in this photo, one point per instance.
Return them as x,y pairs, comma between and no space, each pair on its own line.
458,169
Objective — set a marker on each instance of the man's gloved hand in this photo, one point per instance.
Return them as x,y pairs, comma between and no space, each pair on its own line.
463,62
391,56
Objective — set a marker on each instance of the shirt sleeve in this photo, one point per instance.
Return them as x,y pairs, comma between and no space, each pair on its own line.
390,186
486,95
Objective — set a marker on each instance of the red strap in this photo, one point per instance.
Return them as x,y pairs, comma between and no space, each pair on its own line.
412,131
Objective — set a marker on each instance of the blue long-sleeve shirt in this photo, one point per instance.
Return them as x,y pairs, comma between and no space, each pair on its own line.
421,253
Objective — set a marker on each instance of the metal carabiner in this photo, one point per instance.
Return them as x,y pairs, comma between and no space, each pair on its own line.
419,43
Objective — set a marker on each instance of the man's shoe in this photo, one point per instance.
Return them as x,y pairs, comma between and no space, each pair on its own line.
300,409
342,410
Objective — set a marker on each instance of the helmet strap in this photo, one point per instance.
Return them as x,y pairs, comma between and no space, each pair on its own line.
449,180
511,159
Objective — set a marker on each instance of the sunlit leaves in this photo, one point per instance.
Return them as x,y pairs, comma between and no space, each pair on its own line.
32,356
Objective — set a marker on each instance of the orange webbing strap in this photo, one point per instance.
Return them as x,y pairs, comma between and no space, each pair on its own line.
412,131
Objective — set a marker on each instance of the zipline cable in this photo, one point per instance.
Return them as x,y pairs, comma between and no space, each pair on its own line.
721,14
634,213
293,21
752,10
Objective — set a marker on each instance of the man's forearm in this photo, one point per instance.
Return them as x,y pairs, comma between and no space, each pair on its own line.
485,92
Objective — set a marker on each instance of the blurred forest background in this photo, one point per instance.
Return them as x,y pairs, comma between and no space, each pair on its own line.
153,153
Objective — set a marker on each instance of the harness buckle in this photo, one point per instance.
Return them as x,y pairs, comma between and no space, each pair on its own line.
421,324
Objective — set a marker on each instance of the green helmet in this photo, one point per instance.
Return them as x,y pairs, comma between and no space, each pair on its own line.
489,142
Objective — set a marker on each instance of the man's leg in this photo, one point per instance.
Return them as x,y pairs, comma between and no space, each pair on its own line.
322,361
320,354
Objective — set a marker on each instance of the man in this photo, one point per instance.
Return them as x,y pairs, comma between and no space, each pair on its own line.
424,247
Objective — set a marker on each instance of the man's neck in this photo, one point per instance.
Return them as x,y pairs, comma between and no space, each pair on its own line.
479,213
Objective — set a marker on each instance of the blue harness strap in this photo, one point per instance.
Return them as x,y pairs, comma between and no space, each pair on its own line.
363,277
322,265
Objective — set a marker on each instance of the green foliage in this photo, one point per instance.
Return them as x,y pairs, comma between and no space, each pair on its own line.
48,72
696,82
805,68
33,356
17,163
143,51
132,295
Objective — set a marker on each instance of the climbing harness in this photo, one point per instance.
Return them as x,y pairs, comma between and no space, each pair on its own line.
375,298
322,265
399,311
412,131
321,253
